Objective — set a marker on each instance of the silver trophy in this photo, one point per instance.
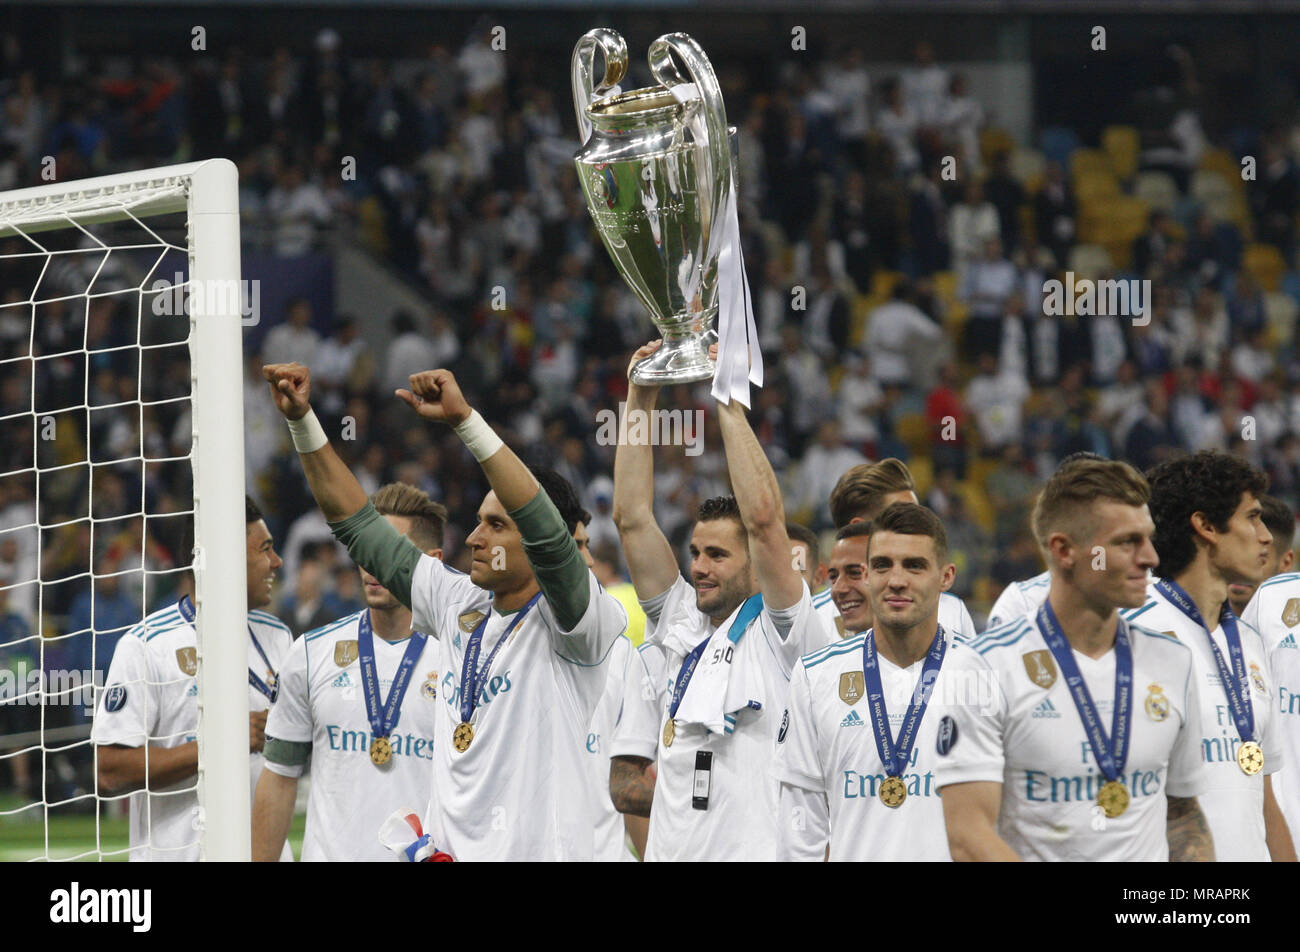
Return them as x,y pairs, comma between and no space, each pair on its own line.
657,173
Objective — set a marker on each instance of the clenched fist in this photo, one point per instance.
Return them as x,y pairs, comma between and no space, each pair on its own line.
290,388
256,731
435,395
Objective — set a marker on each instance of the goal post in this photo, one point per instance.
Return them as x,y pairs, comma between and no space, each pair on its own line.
207,193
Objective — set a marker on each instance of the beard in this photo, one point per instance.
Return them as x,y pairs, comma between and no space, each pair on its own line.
727,597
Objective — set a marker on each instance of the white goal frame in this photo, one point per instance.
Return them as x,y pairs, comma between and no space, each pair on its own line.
208,192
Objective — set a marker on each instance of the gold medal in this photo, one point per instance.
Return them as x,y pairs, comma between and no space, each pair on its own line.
670,731
1250,758
893,792
463,736
381,751
1113,798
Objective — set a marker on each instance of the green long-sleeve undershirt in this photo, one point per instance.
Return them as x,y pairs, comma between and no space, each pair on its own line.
557,563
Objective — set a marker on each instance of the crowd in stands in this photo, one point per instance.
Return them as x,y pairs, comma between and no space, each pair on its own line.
898,244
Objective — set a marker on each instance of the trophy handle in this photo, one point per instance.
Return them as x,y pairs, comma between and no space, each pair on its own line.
583,67
700,72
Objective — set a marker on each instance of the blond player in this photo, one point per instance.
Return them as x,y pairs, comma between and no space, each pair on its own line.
1086,747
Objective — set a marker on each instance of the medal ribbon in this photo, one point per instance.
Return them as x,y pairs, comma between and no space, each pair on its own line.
471,676
1110,753
1243,714
747,613
895,756
186,608
382,726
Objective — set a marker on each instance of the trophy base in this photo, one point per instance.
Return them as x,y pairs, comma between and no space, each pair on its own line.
685,360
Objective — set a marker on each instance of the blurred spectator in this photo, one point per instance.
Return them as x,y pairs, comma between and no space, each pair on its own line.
295,339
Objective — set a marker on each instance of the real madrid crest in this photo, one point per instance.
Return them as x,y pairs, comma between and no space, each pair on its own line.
429,689
468,620
851,685
1291,613
1257,679
1157,705
345,652
1041,667
188,660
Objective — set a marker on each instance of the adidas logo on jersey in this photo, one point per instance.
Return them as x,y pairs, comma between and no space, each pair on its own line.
1046,709
852,720
1288,642
342,681
193,691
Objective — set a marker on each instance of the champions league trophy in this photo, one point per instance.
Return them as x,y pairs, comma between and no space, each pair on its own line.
656,169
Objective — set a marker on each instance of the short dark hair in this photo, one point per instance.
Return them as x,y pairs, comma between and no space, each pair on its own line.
251,512
860,491
1280,521
1208,482
910,518
428,518
798,533
561,492
853,530
723,507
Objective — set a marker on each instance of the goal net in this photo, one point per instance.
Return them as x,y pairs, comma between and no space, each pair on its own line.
121,489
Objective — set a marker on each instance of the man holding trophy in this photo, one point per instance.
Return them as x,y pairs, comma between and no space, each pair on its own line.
657,173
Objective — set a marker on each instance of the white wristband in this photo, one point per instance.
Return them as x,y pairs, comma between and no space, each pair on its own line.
308,435
479,438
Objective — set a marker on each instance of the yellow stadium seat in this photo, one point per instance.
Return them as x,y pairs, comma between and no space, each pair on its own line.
993,141
914,432
1089,160
1281,310
1266,264
1028,167
1090,261
1157,189
1217,160
922,469
1094,184
945,285
1121,145
1210,183
978,505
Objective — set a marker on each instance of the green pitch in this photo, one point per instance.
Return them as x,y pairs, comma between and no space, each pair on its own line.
23,835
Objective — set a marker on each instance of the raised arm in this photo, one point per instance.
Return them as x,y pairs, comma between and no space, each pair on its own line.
970,812
556,561
650,560
371,540
1190,840
759,497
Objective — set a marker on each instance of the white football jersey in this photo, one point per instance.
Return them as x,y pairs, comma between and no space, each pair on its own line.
321,702
521,790
1019,599
637,732
740,821
1026,733
1233,802
826,746
953,615
1274,611
610,836
151,698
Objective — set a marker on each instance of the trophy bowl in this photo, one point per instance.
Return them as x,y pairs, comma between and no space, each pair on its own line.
656,171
